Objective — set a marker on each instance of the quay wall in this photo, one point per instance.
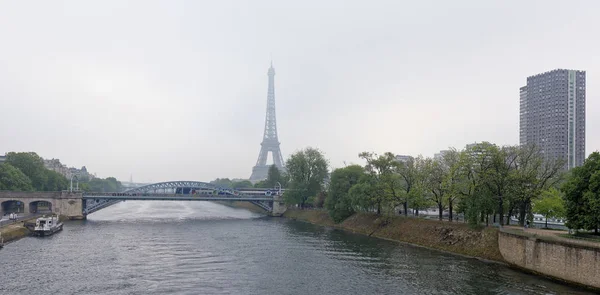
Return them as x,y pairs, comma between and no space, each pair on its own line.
570,262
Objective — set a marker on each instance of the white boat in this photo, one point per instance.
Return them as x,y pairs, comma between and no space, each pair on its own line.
45,226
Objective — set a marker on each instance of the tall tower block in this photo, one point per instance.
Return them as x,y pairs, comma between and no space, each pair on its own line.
270,141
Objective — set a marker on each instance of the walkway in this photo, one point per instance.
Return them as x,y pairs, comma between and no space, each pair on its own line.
552,235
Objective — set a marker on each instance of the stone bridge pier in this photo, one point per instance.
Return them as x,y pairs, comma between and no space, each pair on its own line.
279,206
68,204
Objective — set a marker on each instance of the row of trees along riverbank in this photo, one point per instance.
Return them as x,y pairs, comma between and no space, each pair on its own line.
25,171
482,182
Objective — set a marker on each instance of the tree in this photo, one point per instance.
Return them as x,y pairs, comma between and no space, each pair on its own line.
385,184
435,178
222,183
55,181
582,195
497,174
338,201
31,165
550,205
368,194
410,174
319,199
307,170
12,179
241,184
475,198
532,175
108,185
262,184
275,177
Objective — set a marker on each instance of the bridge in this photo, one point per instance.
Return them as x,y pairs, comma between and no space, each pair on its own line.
77,205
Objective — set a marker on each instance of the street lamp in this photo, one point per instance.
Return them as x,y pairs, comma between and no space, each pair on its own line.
73,175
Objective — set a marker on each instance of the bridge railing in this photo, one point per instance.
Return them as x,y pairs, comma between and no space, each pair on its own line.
125,196
202,194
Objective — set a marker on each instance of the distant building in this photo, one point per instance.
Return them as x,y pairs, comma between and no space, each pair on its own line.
403,158
56,166
439,156
552,115
80,173
2,159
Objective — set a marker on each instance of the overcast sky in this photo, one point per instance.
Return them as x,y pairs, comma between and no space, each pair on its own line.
174,90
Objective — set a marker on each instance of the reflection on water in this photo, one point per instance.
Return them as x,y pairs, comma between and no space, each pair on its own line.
206,248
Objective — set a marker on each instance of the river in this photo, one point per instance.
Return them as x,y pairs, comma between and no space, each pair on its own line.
206,248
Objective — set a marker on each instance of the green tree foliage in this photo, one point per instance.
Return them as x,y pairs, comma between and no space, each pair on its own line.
435,174
532,175
582,195
274,178
550,205
307,170
222,182
55,181
453,178
412,174
338,201
384,184
241,184
108,185
32,166
12,179
497,172
262,184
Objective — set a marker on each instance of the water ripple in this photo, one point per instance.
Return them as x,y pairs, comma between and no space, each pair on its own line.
206,248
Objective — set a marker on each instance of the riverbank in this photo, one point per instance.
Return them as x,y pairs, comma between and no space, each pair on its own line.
13,232
455,238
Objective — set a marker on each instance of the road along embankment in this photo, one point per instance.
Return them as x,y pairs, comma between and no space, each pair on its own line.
456,238
571,262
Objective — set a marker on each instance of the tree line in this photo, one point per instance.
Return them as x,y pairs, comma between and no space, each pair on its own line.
25,171
483,183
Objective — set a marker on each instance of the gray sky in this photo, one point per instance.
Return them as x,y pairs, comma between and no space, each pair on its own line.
170,90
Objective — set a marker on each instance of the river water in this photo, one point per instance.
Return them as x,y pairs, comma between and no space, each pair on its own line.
207,248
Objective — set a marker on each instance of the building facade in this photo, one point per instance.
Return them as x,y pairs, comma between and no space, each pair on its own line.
403,158
68,172
552,115
440,156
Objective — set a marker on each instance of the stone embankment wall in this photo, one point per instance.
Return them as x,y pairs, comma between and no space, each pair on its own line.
450,237
69,204
559,259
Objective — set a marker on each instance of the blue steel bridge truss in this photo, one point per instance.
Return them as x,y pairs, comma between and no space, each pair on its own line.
174,190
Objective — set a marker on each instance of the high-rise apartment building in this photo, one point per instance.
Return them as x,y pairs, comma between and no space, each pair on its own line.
552,115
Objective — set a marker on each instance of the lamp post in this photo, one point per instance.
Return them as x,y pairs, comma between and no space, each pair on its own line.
73,175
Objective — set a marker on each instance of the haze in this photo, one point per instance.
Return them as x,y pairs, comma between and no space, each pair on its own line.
173,90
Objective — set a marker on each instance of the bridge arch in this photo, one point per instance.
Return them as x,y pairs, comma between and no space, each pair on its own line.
10,206
40,206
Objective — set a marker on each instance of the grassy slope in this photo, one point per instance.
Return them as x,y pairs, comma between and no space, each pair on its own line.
13,232
451,237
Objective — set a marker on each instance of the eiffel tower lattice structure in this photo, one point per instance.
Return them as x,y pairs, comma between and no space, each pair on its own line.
270,142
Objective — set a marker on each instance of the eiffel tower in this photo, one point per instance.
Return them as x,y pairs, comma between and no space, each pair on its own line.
270,142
